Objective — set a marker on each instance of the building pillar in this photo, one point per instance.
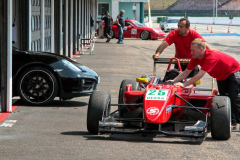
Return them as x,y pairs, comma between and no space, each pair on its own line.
6,56
42,37
74,27
115,9
52,26
65,28
58,28
70,28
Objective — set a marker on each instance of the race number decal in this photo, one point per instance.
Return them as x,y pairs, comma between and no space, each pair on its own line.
134,31
156,95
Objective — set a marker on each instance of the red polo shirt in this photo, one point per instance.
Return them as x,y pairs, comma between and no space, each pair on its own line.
217,64
182,43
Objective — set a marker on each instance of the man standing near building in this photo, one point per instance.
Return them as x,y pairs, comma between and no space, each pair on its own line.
108,25
120,24
219,65
182,38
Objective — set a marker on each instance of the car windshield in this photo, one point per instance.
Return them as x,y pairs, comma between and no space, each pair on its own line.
172,21
138,24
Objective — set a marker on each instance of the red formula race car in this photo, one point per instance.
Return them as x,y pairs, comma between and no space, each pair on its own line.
154,106
134,29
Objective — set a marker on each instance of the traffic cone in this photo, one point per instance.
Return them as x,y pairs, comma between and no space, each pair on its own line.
228,30
195,28
211,30
207,27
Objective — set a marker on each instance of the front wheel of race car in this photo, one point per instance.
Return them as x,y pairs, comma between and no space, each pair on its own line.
99,106
145,35
221,118
122,89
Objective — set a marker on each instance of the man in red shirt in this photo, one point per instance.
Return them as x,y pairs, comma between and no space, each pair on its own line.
219,65
182,38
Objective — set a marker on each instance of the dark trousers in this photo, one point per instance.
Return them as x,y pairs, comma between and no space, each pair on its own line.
107,31
184,66
230,88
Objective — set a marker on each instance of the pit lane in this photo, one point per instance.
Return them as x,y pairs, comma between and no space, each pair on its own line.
58,131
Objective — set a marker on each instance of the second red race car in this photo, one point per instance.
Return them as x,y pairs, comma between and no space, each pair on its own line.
135,29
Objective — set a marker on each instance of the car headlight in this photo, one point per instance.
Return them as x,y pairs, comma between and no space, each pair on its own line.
70,65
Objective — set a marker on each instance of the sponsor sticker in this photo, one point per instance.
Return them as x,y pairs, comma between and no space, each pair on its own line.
156,95
133,31
152,111
168,109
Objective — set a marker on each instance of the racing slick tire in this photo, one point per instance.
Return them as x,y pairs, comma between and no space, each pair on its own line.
122,89
37,86
99,106
145,35
221,118
112,34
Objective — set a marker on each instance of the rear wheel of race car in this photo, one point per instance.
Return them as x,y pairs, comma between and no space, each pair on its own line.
112,34
145,35
99,106
221,118
122,89
37,86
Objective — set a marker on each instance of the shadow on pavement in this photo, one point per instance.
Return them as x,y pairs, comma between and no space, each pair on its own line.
136,138
76,133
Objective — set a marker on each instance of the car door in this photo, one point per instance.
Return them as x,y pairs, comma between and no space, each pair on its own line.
127,29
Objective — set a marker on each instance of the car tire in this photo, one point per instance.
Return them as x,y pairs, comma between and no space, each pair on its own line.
145,35
221,118
122,89
99,106
112,34
37,86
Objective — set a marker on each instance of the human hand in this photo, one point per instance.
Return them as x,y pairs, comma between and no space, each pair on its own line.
170,81
179,84
156,56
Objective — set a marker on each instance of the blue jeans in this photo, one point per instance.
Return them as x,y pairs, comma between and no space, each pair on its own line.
120,33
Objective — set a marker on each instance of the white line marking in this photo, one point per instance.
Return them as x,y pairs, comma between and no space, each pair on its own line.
8,123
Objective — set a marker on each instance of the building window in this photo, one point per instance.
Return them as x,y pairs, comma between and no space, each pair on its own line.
32,48
33,23
33,2
102,7
39,45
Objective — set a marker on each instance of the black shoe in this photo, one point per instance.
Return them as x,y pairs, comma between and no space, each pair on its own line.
108,40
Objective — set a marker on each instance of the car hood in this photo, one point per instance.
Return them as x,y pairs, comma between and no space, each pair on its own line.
172,25
85,70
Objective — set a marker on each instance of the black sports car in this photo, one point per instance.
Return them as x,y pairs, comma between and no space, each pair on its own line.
39,77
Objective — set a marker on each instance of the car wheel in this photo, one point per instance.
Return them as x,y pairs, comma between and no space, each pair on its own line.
221,118
112,34
122,89
99,106
37,86
145,35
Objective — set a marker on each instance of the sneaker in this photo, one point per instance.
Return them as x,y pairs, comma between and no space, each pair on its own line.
107,40
120,43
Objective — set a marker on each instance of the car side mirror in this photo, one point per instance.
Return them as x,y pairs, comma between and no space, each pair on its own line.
132,26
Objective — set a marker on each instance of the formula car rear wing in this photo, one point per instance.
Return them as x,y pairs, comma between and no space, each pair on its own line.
169,61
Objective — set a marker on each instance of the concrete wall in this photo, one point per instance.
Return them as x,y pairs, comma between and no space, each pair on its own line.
128,7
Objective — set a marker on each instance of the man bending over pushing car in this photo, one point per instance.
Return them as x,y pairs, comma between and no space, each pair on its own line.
219,65
182,38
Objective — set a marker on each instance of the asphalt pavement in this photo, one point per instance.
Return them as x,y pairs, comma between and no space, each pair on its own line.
58,131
